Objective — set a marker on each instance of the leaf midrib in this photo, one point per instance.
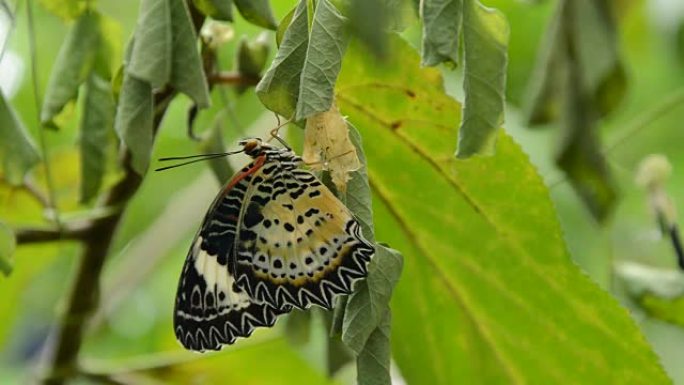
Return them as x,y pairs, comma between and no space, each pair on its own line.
466,308
519,250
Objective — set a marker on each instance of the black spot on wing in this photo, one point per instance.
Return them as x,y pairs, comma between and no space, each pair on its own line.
253,215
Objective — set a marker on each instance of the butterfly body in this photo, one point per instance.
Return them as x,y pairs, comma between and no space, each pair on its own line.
273,239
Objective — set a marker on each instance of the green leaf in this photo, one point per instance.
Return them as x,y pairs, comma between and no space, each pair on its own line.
251,55
358,195
187,71
579,78
302,76
325,50
134,121
279,87
279,364
489,294
17,150
373,362
587,28
65,9
97,121
365,325
74,62
284,24
369,304
485,41
441,31
165,50
7,246
212,143
580,155
544,99
257,12
109,50
151,58
216,9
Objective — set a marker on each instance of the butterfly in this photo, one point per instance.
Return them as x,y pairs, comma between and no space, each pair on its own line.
274,238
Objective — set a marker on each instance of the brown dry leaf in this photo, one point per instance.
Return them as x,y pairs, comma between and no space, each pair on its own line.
327,146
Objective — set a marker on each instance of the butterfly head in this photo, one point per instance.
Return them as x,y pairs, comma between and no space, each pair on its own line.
254,146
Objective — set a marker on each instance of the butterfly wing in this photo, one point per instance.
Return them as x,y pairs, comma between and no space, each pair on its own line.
297,243
210,310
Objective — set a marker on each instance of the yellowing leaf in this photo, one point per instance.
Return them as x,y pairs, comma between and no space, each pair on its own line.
327,144
488,293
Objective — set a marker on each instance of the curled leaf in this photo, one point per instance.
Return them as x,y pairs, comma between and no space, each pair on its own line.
327,145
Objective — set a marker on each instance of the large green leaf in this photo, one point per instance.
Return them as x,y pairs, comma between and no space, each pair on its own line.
441,30
301,79
372,31
97,121
17,150
488,294
74,62
277,362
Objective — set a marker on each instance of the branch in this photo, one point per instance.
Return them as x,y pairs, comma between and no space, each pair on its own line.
233,78
68,232
63,345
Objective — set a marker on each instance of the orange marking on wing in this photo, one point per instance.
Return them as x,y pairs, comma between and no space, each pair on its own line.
257,165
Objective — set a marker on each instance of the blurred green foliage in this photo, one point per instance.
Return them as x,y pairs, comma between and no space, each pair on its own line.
433,338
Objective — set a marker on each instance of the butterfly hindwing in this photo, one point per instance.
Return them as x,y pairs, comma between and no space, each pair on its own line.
210,310
297,243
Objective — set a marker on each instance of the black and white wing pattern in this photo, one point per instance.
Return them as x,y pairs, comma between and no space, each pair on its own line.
210,309
274,238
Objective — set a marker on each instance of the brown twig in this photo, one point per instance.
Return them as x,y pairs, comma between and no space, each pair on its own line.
61,350
233,78
68,232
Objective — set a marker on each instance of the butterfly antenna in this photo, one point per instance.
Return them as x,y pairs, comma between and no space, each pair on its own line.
194,159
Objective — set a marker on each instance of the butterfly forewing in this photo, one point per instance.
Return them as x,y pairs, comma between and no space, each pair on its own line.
297,243
210,310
